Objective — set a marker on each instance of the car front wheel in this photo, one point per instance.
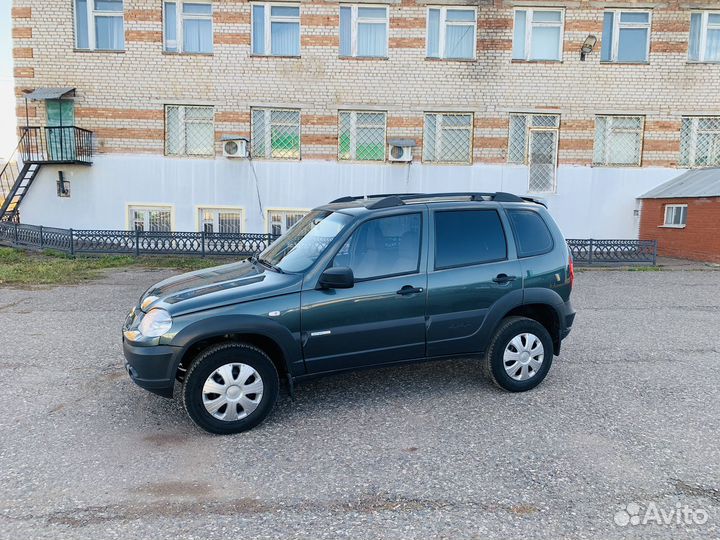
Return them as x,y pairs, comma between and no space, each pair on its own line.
230,388
520,354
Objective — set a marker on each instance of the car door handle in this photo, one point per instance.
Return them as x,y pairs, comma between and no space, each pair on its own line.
504,278
409,289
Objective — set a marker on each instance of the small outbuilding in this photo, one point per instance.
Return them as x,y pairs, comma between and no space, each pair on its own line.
683,215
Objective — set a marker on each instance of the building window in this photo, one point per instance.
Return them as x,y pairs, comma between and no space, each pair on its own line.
451,33
626,36
447,138
99,25
189,131
361,136
363,31
220,220
704,37
675,215
275,133
276,29
700,141
538,34
533,141
150,218
188,27
280,221
618,140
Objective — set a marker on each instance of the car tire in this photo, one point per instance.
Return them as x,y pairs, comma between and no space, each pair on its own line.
230,388
519,356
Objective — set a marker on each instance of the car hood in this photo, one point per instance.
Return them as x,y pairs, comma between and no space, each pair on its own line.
220,285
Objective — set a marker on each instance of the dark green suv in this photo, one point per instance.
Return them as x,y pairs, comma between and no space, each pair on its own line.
362,281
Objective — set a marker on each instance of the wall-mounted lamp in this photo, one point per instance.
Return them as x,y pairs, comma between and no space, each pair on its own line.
587,46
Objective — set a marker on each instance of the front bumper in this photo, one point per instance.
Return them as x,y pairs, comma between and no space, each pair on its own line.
152,368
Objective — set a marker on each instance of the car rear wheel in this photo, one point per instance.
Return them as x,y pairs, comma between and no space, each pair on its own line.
520,354
230,388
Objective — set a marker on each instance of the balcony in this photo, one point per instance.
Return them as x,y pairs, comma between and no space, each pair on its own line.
56,145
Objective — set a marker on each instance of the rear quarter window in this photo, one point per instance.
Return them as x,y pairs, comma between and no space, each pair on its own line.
532,235
466,237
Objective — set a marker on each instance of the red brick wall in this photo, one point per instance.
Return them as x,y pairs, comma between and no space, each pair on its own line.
699,240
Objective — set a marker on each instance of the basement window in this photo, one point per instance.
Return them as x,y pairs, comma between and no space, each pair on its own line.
675,216
150,218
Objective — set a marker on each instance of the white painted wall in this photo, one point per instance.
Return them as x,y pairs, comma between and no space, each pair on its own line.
590,202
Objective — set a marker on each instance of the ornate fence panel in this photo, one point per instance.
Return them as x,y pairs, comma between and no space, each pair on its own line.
73,241
587,252
79,241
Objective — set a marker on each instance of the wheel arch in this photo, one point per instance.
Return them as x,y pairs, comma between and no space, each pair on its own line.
539,304
269,336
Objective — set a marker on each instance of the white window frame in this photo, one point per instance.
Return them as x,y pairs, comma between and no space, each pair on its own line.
443,30
180,18
353,134
704,27
609,130
670,211
267,25
217,210
438,137
130,207
91,15
694,133
283,211
183,123
355,20
530,24
617,25
267,134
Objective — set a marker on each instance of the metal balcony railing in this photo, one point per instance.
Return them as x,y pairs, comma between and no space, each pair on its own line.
62,144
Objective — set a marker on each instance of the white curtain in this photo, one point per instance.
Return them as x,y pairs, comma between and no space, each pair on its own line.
345,31
285,38
109,33
197,36
712,47
546,43
459,41
372,39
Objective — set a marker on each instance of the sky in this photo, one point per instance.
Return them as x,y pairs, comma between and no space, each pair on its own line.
7,99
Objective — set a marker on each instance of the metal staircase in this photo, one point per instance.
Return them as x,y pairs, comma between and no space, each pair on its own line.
39,146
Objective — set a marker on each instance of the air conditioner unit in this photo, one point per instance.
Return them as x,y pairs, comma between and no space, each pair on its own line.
400,150
235,147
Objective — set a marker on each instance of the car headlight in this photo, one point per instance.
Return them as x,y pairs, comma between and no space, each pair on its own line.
155,323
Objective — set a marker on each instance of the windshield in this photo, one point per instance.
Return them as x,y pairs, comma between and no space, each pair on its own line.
298,248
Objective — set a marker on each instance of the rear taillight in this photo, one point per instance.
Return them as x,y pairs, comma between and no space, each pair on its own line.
571,271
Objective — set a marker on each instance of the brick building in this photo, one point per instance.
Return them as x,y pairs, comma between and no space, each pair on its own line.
495,94
683,215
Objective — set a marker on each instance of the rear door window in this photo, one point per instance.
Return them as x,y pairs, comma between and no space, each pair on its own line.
466,237
531,233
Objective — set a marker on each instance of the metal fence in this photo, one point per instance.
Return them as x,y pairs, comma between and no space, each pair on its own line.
77,241
604,252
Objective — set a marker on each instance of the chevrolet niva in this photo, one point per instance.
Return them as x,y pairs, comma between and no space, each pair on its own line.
360,282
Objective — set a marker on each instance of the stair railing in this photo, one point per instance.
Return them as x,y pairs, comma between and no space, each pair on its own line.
10,172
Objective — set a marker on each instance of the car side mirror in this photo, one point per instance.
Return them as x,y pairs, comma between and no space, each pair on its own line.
340,277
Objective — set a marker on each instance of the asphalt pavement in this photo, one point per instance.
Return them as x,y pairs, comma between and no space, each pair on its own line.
620,441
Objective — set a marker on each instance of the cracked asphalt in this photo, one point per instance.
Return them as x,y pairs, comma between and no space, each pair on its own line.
629,414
